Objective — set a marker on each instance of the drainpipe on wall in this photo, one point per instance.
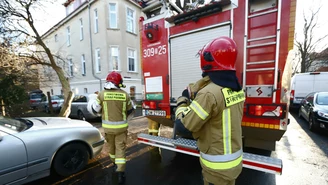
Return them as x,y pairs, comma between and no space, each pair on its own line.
91,48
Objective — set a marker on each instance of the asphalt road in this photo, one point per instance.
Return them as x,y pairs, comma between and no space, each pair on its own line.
304,155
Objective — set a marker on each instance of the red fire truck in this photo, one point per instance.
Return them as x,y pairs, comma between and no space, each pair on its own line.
171,37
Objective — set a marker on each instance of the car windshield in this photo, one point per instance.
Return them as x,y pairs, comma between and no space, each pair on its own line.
36,96
322,99
12,124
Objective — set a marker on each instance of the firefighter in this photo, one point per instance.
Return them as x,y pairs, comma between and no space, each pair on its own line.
116,109
212,111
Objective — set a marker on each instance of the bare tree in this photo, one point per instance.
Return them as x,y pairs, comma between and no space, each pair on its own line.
307,47
17,22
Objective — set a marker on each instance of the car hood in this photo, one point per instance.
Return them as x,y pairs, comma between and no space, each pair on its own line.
322,107
56,122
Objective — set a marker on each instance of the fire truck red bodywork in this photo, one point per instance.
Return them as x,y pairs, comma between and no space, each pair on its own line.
259,131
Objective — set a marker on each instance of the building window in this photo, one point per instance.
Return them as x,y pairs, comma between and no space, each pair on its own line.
56,38
112,15
52,91
68,36
96,21
98,64
114,60
132,63
130,20
83,65
81,29
70,67
85,90
61,91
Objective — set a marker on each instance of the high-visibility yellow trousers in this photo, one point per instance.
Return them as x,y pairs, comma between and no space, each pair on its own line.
117,147
153,127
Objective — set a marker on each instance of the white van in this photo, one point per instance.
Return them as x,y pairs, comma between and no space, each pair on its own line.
304,83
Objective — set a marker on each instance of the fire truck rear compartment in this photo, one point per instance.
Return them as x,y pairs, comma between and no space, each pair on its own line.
261,138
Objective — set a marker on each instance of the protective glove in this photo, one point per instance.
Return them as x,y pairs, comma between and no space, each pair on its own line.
181,129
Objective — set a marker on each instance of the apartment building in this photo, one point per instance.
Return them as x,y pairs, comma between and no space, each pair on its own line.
95,38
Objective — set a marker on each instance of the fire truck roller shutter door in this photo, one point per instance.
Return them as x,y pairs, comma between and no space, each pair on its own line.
182,52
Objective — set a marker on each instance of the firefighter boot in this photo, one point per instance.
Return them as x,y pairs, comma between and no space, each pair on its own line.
121,177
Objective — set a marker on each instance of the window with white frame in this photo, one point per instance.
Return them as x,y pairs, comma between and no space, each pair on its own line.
81,29
130,20
68,36
83,65
56,38
85,90
96,21
113,15
132,62
114,58
98,63
70,67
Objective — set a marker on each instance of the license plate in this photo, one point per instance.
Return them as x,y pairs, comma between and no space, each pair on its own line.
155,113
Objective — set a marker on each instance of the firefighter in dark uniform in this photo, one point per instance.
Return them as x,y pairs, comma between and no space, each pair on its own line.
211,110
116,109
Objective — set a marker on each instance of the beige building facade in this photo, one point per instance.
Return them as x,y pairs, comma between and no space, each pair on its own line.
95,38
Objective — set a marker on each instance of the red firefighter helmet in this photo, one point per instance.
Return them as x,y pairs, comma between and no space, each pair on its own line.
115,78
219,54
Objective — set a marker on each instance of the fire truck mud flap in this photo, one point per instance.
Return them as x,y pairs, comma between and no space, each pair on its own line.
189,147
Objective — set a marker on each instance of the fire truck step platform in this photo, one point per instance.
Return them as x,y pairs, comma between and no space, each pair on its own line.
189,147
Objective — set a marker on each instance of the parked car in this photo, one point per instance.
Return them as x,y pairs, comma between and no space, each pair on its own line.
79,108
314,109
56,101
304,83
35,99
32,147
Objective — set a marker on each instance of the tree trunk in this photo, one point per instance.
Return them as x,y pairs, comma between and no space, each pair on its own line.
68,94
66,109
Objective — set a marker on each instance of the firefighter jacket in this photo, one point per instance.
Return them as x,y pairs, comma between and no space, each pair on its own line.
214,118
116,106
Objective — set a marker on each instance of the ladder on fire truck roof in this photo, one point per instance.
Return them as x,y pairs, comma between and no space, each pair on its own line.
189,147
247,64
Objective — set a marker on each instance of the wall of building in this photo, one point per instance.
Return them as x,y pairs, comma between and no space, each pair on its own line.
106,37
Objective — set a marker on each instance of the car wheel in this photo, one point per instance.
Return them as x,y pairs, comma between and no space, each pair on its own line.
312,123
71,159
81,115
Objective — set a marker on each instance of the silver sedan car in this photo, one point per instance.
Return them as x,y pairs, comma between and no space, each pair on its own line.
31,147
79,108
